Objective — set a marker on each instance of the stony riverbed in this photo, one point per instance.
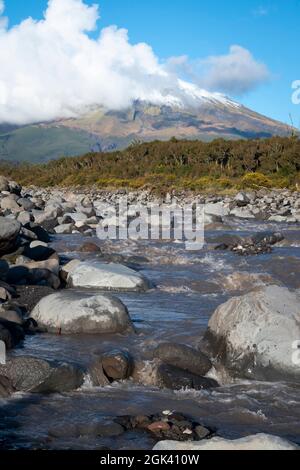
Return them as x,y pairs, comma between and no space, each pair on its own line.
166,295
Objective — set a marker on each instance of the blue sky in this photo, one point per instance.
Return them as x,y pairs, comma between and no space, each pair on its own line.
268,29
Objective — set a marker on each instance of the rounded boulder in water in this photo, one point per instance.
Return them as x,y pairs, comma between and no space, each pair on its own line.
70,312
106,276
256,336
117,365
183,357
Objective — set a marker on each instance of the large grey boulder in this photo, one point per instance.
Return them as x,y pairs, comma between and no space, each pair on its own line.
256,442
9,231
256,335
71,312
30,374
105,276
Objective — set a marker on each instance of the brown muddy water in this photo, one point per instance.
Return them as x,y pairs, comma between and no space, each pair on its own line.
189,287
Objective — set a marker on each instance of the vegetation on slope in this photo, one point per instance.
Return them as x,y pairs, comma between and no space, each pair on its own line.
194,165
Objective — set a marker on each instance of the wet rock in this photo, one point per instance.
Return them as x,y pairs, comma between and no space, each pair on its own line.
167,425
4,268
183,357
6,337
259,243
21,275
256,335
268,238
71,312
256,442
50,264
97,375
38,252
89,248
34,375
174,378
40,232
9,231
6,387
202,432
117,365
63,378
11,333
159,426
106,276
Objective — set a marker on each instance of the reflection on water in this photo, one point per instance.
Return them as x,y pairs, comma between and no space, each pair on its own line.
189,286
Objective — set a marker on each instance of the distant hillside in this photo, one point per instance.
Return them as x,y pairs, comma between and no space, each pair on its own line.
99,129
39,143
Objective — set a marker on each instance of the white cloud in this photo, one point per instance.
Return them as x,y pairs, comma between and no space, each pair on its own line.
235,73
52,68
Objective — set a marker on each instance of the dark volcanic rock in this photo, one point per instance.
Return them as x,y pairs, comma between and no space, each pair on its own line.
117,365
4,268
183,357
9,231
175,379
11,333
40,232
38,253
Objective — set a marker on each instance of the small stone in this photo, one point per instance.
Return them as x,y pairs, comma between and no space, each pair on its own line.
159,426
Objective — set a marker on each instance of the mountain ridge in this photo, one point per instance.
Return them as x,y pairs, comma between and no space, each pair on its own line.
211,116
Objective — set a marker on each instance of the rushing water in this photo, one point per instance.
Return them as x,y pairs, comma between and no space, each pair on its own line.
188,288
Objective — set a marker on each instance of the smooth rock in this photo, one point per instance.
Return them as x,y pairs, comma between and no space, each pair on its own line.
30,374
117,365
183,357
256,335
70,312
174,378
106,276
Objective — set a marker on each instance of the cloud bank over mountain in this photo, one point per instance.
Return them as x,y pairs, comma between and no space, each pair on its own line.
54,68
